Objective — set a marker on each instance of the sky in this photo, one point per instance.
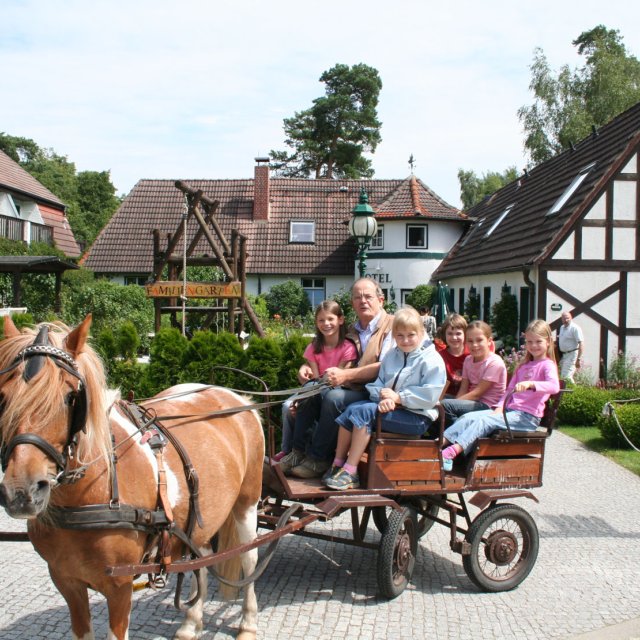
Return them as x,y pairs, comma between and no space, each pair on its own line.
195,89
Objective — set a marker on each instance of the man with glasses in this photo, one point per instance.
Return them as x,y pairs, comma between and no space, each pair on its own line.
312,455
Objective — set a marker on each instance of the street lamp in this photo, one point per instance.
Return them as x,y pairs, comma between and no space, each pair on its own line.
362,227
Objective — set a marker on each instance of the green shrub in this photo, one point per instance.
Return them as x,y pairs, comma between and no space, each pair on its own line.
262,359
504,318
629,417
105,344
422,296
166,357
582,406
128,340
292,359
287,300
207,350
129,376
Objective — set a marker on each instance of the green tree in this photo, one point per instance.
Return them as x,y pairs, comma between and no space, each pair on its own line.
96,203
504,318
474,189
568,105
288,300
329,138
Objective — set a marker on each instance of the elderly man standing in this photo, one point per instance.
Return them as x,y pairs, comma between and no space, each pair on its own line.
310,458
571,345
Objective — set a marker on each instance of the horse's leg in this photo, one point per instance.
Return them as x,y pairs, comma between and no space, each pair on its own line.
246,524
119,604
77,598
191,628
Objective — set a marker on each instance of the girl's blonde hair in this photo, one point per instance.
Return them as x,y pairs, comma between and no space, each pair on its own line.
407,318
483,326
328,306
542,329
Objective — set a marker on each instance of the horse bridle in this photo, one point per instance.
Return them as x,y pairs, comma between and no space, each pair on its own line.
34,357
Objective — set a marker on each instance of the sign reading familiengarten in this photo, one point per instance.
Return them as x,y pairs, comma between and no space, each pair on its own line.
194,290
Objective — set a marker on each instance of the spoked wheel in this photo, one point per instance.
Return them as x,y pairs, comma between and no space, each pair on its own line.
422,507
397,554
504,547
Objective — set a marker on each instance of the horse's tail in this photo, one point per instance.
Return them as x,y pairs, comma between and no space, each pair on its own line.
229,569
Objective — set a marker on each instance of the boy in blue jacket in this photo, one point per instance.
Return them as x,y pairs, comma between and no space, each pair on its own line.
409,385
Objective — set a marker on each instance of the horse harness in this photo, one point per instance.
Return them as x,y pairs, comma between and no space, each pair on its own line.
157,523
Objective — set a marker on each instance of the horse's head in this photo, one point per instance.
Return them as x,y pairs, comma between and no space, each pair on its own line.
43,410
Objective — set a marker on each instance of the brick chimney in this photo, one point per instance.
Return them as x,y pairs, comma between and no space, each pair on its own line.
261,190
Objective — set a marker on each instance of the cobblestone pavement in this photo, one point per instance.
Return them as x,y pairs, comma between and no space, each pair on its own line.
586,578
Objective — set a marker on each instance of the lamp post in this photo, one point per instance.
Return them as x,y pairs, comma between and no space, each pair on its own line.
363,227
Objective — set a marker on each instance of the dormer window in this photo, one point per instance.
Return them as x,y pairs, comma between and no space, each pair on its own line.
571,189
302,231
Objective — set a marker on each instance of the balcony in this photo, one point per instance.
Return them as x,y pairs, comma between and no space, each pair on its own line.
13,229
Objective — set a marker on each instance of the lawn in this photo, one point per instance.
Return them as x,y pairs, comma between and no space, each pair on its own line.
590,436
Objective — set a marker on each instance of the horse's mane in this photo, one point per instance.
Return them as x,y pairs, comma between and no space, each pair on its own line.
41,400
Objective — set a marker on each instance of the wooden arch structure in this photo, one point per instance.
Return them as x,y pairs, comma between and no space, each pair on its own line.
228,297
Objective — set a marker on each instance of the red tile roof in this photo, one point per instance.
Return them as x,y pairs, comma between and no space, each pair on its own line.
63,237
125,244
14,178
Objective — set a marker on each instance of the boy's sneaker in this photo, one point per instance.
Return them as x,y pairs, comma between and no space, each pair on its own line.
343,480
330,472
310,468
291,460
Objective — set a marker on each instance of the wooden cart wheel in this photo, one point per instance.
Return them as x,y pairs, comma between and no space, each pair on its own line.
422,507
397,553
504,547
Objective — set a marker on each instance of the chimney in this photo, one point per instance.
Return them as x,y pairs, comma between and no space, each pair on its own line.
261,190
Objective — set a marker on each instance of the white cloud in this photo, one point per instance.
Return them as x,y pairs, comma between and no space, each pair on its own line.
160,89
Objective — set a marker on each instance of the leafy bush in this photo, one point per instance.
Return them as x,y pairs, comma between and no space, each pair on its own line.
129,376
623,372
292,359
472,307
287,300
166,357
207,350
343,297
262,359
110,305
629,417
582,406
422,296
127,340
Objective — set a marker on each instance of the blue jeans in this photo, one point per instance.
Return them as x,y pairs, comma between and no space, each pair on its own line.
454,408
287,427
479,424
325,408
363,415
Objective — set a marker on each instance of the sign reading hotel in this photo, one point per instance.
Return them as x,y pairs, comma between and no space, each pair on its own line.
194,290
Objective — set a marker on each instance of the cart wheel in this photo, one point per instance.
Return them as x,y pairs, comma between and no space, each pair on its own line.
422,507
397,554
504,547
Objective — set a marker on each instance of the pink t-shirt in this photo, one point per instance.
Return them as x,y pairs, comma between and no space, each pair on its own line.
331,357
545,375
491,369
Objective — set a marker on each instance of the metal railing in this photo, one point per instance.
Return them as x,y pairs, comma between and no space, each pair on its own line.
13,229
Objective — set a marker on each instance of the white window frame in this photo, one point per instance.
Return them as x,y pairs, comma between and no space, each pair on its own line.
317,284
296,235
375,245
502,216
571,189
425,228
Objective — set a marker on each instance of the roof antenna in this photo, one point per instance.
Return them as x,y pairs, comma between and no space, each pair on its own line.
594,130
573,148
412,163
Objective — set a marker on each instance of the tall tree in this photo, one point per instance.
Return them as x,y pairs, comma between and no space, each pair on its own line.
473,188
329,138
566,106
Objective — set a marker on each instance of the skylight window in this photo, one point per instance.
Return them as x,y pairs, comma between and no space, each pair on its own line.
473,230
571,189
501,217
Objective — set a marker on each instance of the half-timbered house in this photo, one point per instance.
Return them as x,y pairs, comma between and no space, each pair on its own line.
564,236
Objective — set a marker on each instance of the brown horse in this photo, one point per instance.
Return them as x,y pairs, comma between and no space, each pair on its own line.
58,417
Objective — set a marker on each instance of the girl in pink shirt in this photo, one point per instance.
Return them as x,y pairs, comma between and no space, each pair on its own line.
329,348
535,379
484,375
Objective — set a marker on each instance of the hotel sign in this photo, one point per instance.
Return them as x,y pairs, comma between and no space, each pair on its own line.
194,290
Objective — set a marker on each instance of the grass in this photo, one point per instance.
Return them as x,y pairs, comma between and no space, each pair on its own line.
591,437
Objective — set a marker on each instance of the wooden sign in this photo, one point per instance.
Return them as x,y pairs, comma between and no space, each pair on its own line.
194,290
